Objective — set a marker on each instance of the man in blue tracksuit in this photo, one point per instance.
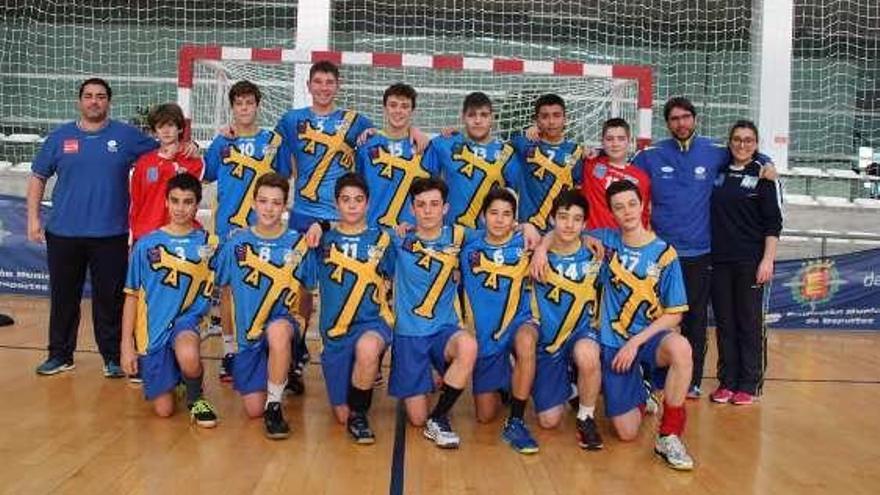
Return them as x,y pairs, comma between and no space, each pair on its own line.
87,228
683,168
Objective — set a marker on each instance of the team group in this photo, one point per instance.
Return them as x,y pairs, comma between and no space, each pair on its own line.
524,266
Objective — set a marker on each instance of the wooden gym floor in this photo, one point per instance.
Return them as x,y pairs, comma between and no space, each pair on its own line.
816,430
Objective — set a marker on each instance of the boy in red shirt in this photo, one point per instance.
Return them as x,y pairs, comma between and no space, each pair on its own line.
602,171
152,171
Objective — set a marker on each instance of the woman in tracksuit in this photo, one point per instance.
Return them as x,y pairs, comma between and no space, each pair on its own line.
746,221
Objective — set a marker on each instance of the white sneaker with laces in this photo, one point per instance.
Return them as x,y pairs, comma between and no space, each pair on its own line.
440,431
673,451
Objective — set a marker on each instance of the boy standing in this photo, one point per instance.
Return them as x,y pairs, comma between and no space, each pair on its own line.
153,170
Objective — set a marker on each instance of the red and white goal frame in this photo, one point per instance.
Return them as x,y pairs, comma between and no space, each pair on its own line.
641,75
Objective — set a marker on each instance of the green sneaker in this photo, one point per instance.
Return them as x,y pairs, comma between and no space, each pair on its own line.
202,413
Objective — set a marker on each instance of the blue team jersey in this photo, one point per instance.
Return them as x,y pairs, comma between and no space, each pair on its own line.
639,284
495,281
425,290
90,198
547,170
471,170
565,303
346,269
322,147
389,167
236,164
172,278
262,274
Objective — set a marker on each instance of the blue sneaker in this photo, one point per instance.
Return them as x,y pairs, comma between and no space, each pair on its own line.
112,370
53,366
517,435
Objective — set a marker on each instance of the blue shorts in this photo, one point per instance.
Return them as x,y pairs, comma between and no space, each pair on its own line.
301,222
626,391
412,359
250,368
494,372
159,369
337,359
552,377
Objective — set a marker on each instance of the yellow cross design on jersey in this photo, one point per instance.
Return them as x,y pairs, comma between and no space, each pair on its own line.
516,273
412,169
280,277
562,180
335,144
641,292
448,260
583,295
492,175
260,167
367,274
201,275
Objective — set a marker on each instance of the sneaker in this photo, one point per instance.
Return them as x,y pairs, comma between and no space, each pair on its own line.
359,429
588,435
53,366
226,367
440,431
215,327
180,390
202,413
652,403
295,383
273,417
721,395
694,393
517,435
673,451
742,399
135,378
112,370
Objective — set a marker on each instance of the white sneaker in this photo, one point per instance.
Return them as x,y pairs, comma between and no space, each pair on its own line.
440,431
673,451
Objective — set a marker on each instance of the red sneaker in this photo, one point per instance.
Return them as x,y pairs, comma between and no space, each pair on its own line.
721,395
742,399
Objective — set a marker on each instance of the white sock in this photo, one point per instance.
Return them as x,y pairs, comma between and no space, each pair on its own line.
585,412
228,344
274,392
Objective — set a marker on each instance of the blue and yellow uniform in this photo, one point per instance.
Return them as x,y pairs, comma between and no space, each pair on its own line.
639,284
172,279
236,164
425,307
263,276
547,170
471,170
346,268
565,303
495,280
389,167
322,147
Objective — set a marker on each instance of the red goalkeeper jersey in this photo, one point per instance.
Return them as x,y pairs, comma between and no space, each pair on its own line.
148,180
598,175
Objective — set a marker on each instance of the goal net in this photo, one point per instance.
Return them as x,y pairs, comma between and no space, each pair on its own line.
593,93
